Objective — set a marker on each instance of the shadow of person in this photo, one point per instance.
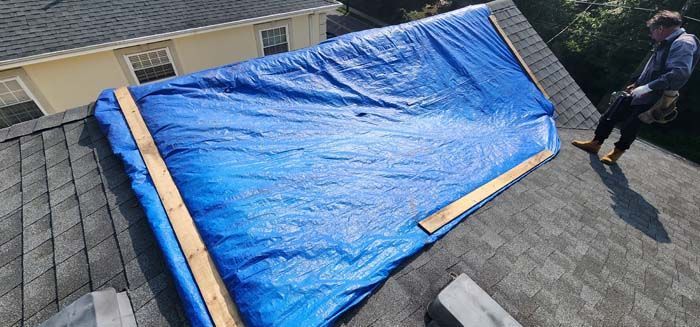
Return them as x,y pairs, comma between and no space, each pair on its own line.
629,205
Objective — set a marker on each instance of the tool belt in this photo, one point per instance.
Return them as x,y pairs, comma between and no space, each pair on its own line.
663,111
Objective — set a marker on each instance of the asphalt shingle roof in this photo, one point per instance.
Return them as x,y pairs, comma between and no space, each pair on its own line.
70,224
31,27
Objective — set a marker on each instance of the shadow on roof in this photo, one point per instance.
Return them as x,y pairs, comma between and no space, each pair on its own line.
629,205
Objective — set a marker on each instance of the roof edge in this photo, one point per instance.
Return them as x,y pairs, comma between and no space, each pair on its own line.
46,122
61,54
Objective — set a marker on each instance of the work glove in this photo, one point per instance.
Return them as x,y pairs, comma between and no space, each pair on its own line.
641,90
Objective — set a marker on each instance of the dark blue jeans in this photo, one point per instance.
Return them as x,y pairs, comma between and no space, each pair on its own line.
625,114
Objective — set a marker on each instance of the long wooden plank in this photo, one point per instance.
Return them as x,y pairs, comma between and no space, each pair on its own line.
215,294
456,208
510,44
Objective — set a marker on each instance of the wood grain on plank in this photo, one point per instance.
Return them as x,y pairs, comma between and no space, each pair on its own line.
457,208
529,72
214,292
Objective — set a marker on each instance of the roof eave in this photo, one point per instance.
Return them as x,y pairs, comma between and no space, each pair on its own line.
55,55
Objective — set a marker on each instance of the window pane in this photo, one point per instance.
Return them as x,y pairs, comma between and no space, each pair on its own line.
155,73
152,65
274,36
13,85
18,113
8,99
276,49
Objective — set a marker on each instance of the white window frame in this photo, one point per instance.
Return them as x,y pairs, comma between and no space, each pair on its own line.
286,32
26,90
133,72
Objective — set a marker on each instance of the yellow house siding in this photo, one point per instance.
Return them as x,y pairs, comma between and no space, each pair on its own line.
206,50
73,82
300,32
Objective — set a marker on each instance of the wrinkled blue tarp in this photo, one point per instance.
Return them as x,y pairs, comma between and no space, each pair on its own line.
307,172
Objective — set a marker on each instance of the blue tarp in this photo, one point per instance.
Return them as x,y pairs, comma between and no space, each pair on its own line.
307,172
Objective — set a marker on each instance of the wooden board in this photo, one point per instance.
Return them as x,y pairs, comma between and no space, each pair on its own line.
503,34
215,294
455,209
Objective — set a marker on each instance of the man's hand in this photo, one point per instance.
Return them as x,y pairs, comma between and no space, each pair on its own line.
642,90
630,87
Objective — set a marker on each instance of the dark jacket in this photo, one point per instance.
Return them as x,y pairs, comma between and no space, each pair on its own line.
682,55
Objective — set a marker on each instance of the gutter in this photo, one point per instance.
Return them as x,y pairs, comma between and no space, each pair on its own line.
61,54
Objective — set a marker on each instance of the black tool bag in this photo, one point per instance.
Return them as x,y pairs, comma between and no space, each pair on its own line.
619,102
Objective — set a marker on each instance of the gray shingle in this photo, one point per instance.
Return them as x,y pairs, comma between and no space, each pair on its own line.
70,298
72,274
35,209
65,215
49,121
40,27
41,316
32,191
61,193
88,181
39,293
35,161
12,200
83,165
91,200
135,240
69,243
10,275
9,155
59,174
11,307
11,227
36,176
21,129
36,233
76,114
30,145
55,154
38,261
3,134
76,133
104,262
144,267
80,149
98,226
10,250
161,311
9,176
147,291
53,136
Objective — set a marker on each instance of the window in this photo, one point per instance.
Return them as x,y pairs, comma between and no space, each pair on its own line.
151,65
16,103
274,40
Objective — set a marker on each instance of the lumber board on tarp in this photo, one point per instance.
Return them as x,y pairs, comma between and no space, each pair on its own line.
216,297
515,52
453,210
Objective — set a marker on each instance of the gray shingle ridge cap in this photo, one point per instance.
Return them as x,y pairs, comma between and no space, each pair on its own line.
18,61
46,122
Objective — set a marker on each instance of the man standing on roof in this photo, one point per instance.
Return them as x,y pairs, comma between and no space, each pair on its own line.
653,94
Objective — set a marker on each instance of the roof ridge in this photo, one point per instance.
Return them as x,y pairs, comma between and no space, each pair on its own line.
46,122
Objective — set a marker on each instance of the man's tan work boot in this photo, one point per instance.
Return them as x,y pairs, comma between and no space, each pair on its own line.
612,157
592,146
